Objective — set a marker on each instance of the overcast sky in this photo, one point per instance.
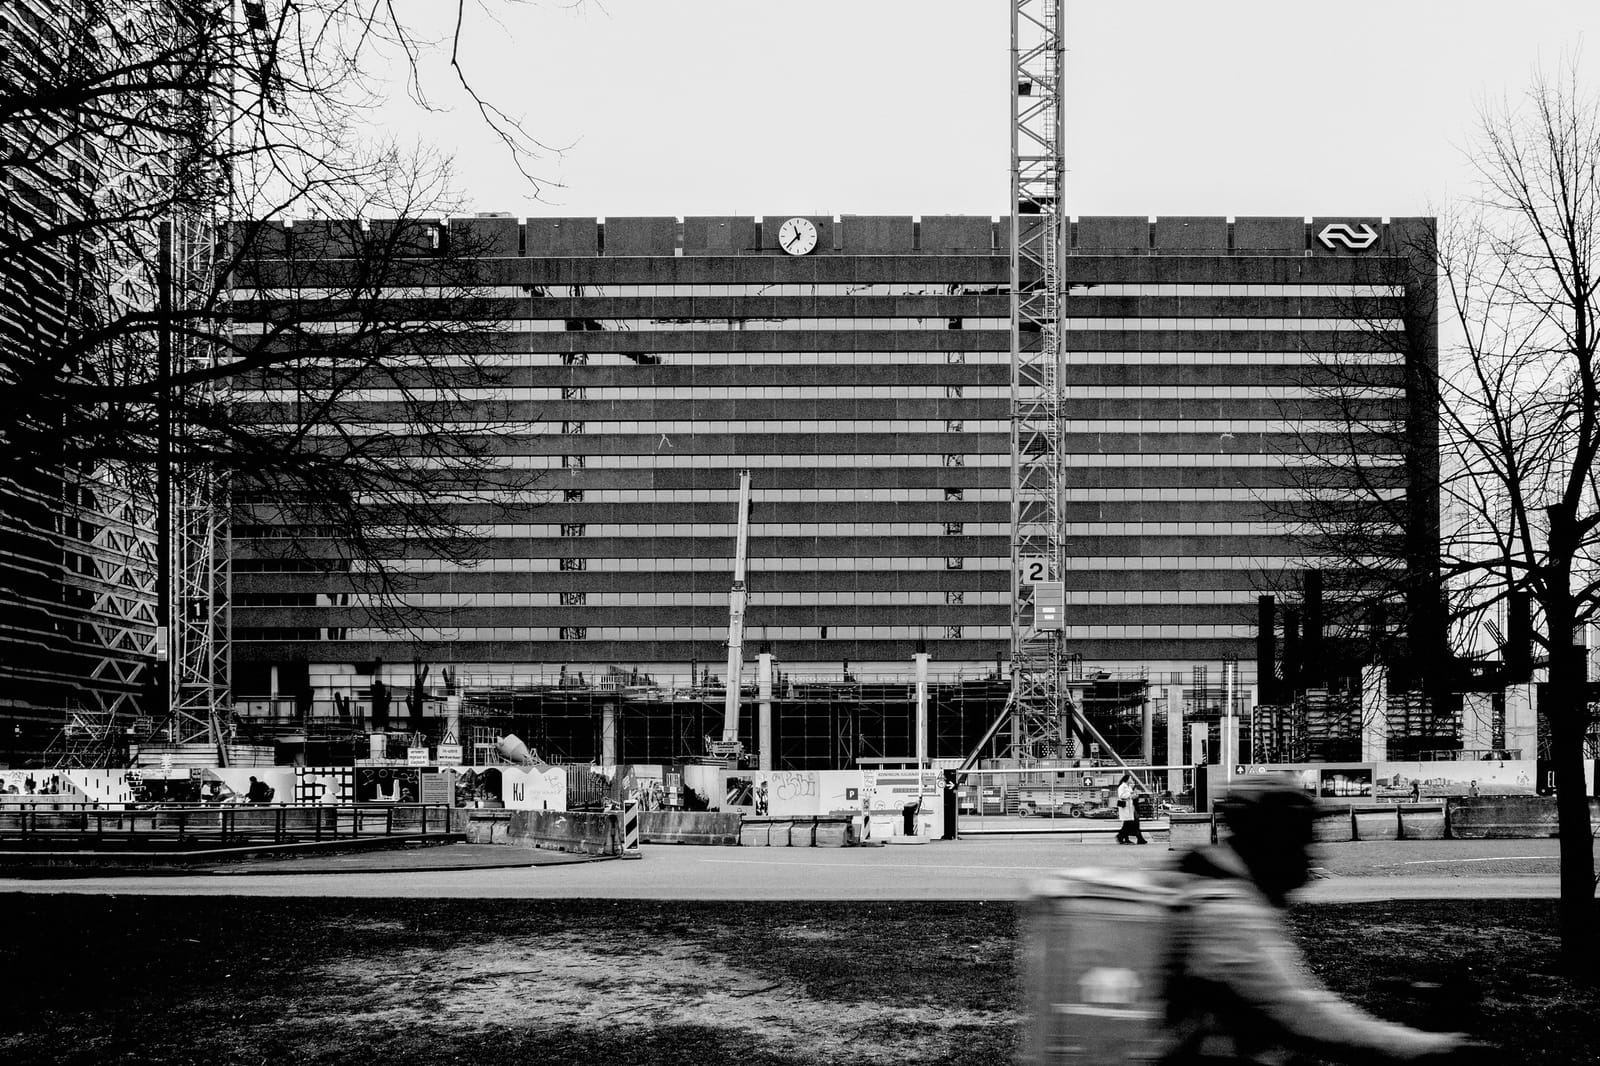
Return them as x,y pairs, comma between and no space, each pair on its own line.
1222,107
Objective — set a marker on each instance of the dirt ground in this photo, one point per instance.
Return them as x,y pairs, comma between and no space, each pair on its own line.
121,979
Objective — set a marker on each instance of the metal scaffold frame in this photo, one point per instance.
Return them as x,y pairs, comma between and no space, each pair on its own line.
1039,704
198,681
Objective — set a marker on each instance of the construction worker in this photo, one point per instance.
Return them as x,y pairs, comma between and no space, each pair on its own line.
1239,991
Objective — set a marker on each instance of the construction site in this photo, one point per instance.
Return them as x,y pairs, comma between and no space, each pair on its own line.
960,497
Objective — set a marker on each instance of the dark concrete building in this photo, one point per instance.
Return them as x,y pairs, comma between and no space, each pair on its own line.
863,377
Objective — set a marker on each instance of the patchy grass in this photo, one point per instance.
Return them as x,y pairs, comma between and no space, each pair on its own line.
215,980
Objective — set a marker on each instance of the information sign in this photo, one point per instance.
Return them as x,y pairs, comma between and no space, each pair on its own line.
448,754
417,756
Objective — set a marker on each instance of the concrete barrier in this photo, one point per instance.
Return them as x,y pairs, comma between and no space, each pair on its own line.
1421,821
830,832
1501,817
1333,825
755,833
714,828
780,832
1377,821
1189,830
578,832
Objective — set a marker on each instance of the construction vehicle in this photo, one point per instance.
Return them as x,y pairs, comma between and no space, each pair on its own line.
729,746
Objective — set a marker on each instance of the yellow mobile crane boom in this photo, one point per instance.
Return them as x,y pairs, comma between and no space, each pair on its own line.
729,746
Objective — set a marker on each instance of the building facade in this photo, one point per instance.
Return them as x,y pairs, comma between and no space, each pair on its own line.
859,368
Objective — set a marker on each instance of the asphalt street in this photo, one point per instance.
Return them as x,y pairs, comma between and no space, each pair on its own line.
970,868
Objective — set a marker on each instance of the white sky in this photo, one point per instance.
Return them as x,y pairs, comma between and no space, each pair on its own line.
1206,107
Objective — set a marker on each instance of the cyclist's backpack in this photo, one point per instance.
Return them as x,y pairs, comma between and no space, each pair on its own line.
1097,950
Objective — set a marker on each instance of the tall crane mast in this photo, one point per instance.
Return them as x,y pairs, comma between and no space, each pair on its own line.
729,745
1038,708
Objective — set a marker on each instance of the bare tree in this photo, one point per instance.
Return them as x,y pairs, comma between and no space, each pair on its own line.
123,121
1518,407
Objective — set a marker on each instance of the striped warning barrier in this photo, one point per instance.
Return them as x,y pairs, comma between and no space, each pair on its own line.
630,831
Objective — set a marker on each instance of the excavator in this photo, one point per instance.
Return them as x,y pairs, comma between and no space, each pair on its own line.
729,746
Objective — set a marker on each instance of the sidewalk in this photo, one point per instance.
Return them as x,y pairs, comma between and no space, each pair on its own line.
414,859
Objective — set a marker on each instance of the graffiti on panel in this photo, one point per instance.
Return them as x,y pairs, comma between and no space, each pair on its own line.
791,786
386,784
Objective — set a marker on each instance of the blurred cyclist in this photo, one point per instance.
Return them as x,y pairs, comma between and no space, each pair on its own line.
1239,990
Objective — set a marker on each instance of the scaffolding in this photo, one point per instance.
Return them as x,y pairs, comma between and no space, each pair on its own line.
1039,705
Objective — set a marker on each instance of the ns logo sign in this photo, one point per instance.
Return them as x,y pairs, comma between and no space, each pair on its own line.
1341,233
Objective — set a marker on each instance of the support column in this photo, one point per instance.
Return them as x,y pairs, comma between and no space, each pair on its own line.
608,734
764,710
1228,745
1522,723
921,660
1175,737
1477,721
1374,713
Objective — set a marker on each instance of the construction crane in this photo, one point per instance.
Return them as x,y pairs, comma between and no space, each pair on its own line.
1039,708
729,746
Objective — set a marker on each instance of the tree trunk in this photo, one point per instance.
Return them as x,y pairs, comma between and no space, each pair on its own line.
1579,917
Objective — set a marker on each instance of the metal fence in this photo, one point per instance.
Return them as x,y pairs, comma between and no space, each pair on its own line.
185,825
1072,796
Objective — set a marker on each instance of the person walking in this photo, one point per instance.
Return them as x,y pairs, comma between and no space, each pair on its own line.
1128,809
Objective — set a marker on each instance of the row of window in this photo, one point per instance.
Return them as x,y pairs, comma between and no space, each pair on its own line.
561,393
1238,358
758,596
846,288
698,564
1252,495
1160,632
565,394
668,458
685,428
735,357
689,429
685,288
864,494
1226,459
646,633
1163,596
851,325
1242,563
1134,325
684,529
640,325
1170,289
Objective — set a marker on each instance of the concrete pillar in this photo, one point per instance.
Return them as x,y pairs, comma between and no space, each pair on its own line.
1175,737
1374,713
764,710
452,719
1197,744
608,734
1522,725
1228,745
1477,721
921,660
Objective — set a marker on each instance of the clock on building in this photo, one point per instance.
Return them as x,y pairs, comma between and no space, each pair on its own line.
797,236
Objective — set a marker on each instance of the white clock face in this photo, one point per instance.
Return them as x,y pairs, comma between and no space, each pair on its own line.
797,236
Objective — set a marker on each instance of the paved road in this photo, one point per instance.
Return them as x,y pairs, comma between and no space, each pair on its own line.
970,868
